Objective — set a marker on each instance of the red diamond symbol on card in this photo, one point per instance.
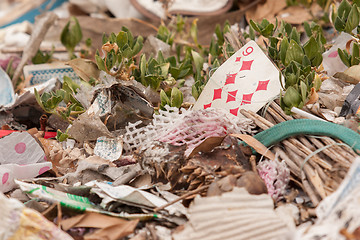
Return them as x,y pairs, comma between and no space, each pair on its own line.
234,111
246,65
230,78
262,85
247,98
237,59
207,105
217,93
231,96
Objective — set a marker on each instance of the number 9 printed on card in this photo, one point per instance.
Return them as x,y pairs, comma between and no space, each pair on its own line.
247,80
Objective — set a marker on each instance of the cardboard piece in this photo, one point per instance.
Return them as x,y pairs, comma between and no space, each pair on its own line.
233,215
247,80
110,228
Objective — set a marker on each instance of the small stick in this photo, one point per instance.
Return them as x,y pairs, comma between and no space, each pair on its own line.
59,219
278,109
253,164
334,155
198,190
310,192
293,167
275,115
41,27
257,122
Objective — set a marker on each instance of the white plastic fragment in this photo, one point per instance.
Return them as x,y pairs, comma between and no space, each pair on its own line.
179,127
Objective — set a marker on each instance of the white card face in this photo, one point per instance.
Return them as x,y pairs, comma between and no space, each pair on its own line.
247,80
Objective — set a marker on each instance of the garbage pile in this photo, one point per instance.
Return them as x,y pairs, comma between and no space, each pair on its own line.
163,129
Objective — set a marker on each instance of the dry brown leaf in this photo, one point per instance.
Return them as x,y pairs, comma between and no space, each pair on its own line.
207,145
86,69
350,75
110,228
295,15
313,97
258,146
267,10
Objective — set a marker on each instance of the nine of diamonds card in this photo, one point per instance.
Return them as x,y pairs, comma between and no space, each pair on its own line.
247,80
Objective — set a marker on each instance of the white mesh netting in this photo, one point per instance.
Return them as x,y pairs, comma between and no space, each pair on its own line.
190,127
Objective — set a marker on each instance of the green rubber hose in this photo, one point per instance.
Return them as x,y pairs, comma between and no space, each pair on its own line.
296,127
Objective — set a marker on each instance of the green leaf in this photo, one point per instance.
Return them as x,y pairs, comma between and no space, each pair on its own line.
287,27
104,39
60,136
255,26
160,57
164,69
292,97
313,51
294,53
88,42
100,63
306,61
339,24
41,57
304,91
344,57
353,19
219,35
317,83
121,39
290,80
294,35
71,36
176,98
198,60
143,69
355,54
194,31
194,92
307,29
138,45
73,85
38,99
164,99
284,45
268,30
344,9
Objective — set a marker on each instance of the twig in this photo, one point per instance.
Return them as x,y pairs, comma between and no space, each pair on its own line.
198,190
145,23
59,216
42,25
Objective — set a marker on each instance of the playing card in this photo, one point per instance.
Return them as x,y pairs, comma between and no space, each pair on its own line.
43,72
247,80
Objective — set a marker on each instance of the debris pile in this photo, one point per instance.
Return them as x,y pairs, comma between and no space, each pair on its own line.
154,120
